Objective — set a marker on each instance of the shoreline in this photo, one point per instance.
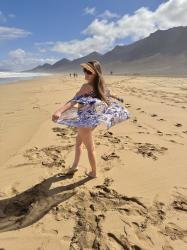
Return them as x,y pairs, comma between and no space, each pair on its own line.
17,81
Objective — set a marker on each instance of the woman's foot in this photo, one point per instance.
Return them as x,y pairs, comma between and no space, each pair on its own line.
91,174
72,170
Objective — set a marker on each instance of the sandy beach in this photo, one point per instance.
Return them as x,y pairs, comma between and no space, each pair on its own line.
138,201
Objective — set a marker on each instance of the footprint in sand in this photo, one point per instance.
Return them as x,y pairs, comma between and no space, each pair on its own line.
108,157
127,105
168,134
109,135
174,232
153,115
142,111
136,221
142,132
149,150
65,132
114,140
180,202
178,125
134,120
161,119
108,181
173,141
51,156
159,133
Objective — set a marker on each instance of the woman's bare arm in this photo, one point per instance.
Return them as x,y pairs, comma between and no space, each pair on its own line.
66,106
83,90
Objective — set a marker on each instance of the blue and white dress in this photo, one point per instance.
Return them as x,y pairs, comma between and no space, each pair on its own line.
93,112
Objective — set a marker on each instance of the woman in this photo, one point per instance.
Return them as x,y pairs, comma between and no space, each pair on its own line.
94,107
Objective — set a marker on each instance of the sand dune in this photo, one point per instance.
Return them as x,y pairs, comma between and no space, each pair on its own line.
138,201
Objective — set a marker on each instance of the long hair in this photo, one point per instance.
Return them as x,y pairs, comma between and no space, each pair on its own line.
98,81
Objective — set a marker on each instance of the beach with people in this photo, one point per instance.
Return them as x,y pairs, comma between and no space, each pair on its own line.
141,168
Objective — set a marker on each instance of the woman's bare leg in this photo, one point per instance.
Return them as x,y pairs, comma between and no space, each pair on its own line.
87,138
78,151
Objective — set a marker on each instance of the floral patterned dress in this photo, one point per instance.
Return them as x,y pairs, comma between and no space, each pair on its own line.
93,112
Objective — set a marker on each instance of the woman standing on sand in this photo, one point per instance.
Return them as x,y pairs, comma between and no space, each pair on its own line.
95,106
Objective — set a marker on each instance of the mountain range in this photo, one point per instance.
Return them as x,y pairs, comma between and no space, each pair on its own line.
163,52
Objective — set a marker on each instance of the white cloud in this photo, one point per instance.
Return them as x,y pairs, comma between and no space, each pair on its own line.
171,14
77,48
102,35
8,33
11,15
108,14
4,18
90,11
44,43
18,56
20,59
43,46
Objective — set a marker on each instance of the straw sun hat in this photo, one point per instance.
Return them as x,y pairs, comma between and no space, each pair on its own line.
89,67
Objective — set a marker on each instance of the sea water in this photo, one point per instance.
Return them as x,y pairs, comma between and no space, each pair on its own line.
10,77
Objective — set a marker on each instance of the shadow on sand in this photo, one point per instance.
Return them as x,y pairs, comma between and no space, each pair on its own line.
28,207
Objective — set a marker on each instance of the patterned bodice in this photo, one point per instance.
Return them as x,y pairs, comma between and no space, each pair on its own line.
93,94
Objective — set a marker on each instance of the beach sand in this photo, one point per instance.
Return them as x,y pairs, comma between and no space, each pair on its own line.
138,201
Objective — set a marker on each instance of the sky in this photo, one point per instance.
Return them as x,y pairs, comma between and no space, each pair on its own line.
44,31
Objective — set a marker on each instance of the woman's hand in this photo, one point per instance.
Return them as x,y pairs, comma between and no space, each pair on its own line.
56,115
63,109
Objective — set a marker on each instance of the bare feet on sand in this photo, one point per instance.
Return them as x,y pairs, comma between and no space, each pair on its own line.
72,170
91,174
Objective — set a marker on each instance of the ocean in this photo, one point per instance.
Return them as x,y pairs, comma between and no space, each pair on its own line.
11,77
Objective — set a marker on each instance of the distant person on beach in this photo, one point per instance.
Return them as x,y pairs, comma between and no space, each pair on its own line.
95,106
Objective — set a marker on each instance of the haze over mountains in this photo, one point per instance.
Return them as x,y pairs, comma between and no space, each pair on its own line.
163,52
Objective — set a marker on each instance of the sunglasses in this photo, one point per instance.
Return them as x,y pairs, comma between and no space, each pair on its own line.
87,71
